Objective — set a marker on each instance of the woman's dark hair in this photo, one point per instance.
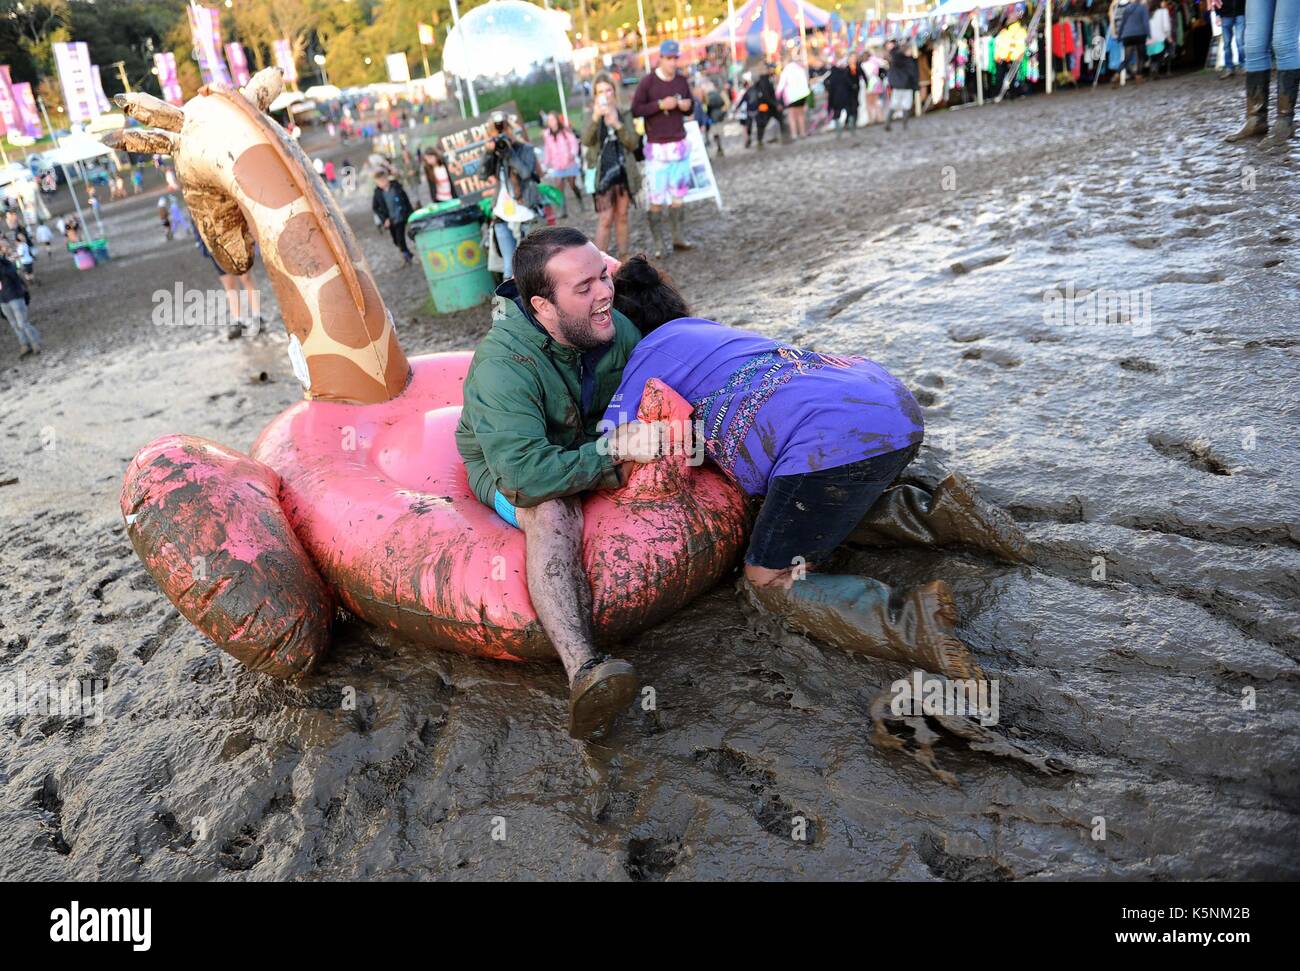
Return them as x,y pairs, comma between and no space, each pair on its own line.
645,296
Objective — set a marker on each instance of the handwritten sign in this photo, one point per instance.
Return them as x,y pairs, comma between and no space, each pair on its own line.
466,149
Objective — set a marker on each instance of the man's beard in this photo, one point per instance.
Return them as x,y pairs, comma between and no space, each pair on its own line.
577,332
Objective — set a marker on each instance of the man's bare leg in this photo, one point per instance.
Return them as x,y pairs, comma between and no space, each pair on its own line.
561,595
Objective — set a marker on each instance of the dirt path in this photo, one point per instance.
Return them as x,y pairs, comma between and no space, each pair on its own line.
1151,457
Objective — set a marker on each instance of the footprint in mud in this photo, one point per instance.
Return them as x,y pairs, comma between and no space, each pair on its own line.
1146,242
949,858
242,852
1191,276
770,811
996,355
976,261
651,859
1197,453
1138,365
926,399
50,807
966,333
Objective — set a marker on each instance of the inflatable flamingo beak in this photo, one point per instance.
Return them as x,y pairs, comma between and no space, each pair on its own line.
610,263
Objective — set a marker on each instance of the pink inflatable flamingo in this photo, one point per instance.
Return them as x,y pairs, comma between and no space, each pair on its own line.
357,495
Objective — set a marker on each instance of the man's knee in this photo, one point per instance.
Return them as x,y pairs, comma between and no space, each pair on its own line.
553,515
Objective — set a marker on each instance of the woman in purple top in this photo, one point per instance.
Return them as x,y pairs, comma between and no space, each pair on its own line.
820,439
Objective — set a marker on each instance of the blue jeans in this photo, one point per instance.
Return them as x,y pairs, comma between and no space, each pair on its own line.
507,243
1273,26
810,514
1234,28
15,312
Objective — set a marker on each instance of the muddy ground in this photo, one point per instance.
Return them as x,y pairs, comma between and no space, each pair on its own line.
1150,458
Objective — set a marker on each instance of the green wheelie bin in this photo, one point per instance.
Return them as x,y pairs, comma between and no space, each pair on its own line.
448,237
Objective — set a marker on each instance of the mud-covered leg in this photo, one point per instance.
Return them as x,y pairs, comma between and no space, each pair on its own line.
952,513
599,688
865,616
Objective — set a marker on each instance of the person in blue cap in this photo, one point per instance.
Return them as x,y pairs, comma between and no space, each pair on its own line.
663,99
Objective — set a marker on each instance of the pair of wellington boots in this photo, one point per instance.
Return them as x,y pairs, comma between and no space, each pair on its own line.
865,616
1256,126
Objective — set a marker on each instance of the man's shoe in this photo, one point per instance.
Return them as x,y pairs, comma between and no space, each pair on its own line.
602,688
235,330
25,351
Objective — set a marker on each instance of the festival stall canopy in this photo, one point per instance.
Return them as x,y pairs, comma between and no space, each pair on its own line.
760,24
323,92
504,37
77,147
286,98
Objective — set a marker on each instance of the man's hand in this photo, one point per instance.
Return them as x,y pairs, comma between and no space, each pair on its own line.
668,103
388,223
643,442
683,104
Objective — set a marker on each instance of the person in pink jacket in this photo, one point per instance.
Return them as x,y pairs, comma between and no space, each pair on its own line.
560,154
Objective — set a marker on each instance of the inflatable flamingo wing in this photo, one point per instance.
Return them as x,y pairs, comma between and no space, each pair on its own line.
357,495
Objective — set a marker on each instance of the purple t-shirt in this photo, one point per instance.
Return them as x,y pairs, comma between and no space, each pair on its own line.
770,409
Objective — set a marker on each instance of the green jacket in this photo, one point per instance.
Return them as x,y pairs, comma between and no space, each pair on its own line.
627,135
520,432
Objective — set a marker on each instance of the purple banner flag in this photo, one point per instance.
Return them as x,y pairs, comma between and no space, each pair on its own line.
73,63
284,59
31,118
170,85
238,62
205,28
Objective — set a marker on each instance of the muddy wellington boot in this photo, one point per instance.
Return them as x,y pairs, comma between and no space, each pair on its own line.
602,688
655,219
1256,108
953,513
855,614
676,216
1284,129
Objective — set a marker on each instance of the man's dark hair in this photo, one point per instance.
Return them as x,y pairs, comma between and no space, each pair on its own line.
646,296
534,253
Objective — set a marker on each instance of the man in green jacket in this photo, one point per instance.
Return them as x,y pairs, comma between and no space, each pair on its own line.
538,386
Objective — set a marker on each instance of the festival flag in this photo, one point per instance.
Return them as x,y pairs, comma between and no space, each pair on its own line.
72,60
284,59
205,28
238,62
170,85
101,99
30,117
426,35
399,72
8,102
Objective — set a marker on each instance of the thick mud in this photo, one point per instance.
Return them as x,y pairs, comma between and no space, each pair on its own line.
1147,661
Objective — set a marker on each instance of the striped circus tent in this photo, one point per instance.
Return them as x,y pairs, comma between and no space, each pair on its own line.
761,24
